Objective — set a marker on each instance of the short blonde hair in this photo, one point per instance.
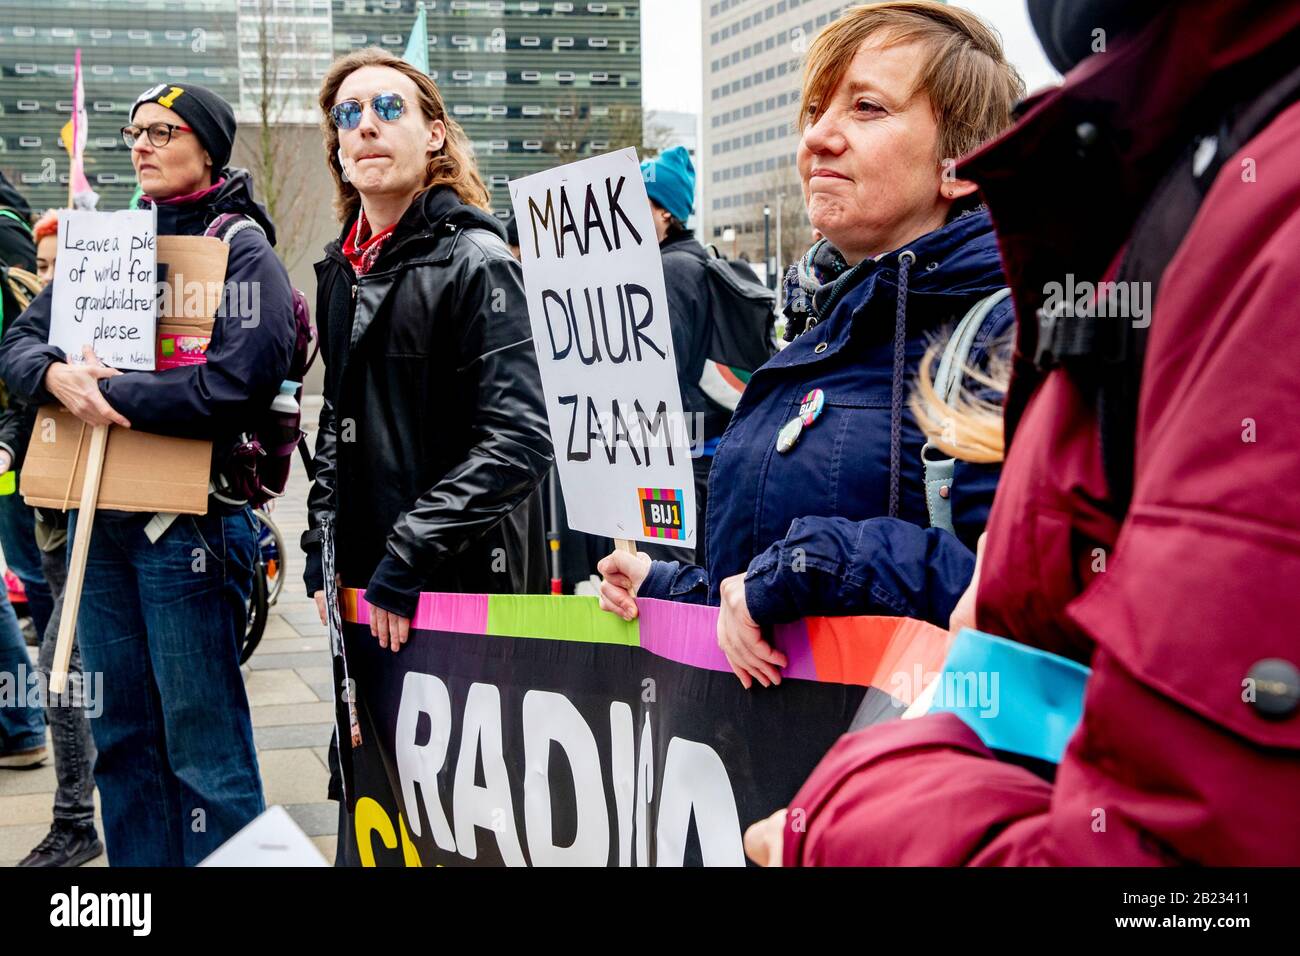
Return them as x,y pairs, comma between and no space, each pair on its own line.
971,86
453,165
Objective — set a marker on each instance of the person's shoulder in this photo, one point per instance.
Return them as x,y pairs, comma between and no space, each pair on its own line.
16,245
484,247
480,253
687,258
250,249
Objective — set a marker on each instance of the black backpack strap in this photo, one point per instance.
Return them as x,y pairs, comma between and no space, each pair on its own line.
308,462
1105,355
8,212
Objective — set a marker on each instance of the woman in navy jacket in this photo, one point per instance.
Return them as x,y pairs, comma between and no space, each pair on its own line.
164,605
816,500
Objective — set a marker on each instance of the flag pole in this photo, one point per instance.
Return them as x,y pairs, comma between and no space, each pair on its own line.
98,441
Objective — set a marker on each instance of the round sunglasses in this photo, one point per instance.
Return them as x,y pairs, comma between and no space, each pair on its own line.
160,134
387,106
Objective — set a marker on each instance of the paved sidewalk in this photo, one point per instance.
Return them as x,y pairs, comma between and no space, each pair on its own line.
289,687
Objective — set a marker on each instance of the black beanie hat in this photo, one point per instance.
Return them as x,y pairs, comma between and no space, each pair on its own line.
211,117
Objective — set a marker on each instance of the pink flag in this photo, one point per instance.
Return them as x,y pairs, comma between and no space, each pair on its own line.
80,195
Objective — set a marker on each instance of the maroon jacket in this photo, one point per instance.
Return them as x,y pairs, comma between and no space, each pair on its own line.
1201,581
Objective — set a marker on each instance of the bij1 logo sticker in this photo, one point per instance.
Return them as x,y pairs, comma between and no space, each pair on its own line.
661,512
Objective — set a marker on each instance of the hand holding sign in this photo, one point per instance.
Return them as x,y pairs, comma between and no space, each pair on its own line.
75,385
105,287
621,575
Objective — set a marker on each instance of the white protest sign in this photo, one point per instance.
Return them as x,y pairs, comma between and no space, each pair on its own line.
599,312
106,286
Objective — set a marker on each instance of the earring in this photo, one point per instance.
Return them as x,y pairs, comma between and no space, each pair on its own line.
343,173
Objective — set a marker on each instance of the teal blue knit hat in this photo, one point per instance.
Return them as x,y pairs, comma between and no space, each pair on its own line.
670,181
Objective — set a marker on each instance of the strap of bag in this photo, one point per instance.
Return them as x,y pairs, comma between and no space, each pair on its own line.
1104,356
308,462
13,214
947,385
229,224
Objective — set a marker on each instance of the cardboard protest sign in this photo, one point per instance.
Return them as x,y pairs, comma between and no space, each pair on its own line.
595,290
105,286
142,472
539,730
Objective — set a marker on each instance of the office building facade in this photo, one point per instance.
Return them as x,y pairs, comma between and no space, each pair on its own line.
533,82
753,57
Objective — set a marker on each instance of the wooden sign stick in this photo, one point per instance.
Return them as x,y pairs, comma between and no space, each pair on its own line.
625,544
77,563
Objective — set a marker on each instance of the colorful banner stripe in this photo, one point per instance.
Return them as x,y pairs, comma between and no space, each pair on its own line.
889,653
1017,698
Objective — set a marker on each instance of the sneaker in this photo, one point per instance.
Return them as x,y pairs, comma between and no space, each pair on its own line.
66,845
28,759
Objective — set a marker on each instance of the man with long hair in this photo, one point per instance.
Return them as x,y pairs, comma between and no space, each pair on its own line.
433,436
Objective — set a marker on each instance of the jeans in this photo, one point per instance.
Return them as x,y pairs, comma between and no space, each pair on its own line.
176,767
18,540
22,725
74,749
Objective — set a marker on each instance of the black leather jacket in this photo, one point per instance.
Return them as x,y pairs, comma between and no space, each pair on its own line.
433,438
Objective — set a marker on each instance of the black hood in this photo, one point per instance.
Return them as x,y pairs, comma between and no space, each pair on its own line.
1067,29
11,197
441,205
233,195
430,210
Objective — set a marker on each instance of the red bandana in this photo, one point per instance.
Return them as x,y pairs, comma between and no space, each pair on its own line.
362,252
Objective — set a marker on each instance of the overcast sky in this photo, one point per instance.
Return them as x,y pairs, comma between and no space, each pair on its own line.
670,49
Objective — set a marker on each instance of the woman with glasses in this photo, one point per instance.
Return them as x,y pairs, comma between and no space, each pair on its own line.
433,438
163,606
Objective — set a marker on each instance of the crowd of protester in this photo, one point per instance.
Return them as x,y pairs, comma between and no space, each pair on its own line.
935,438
